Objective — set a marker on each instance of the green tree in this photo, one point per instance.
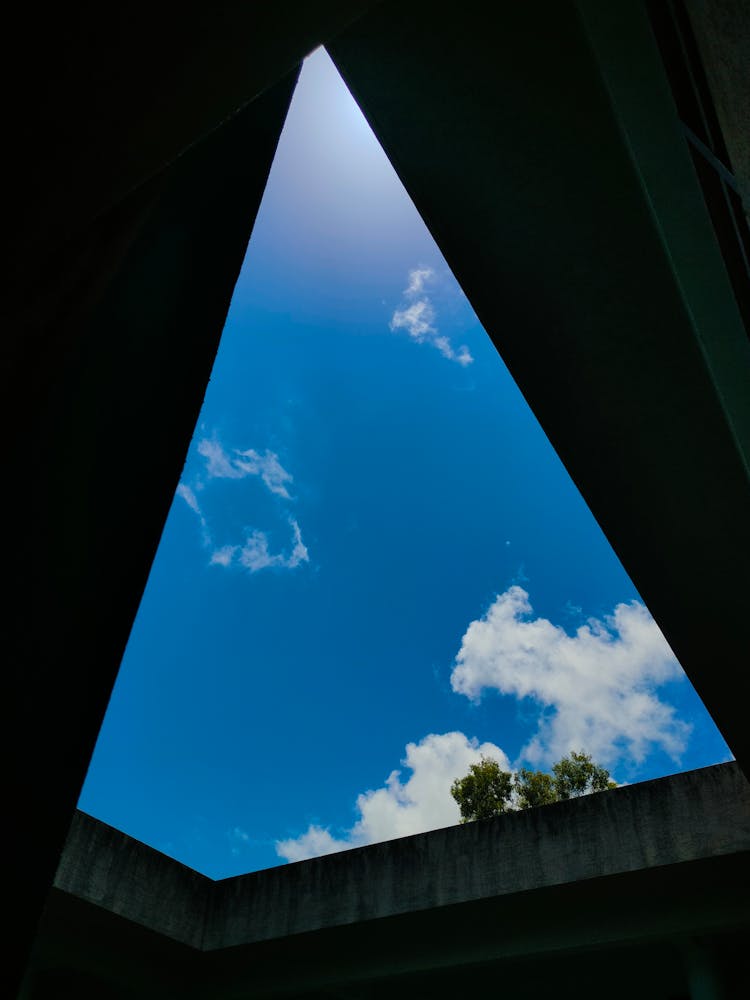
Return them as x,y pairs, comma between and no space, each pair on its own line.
534,788
488,791
484,792
577,774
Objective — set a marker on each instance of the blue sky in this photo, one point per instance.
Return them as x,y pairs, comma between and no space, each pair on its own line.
375,567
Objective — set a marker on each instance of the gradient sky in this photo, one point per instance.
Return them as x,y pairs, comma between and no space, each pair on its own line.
375,567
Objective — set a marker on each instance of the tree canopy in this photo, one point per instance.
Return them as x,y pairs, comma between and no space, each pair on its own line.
534,788
577,774
488,791
484,792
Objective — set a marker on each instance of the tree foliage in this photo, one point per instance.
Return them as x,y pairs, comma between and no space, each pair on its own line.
577,774
534,788
488,791
484,792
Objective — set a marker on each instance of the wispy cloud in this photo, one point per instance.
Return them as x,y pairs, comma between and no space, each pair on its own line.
190,499
399,808
240,464
238,838
417,319
224,555
253,553
596,689
417,316
418,278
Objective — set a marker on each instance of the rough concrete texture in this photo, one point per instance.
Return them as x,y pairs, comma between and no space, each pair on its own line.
722,31
685,817
666,821
108,868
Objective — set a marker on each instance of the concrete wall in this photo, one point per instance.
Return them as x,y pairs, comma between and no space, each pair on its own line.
106,867
519,153
722,31
685,817
682,818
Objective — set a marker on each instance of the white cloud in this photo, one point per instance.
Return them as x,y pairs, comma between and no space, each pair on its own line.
418,318
299,552
400,808
188,495
268,467
254,553
463,357
219,465
597,688
238,839
418,278
190,499
224,555
314,843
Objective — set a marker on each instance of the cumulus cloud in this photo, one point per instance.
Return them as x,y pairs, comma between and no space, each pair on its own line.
219,465
596,689
314,843
402,807
417,317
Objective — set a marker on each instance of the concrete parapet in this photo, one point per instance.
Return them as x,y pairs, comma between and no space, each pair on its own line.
685,817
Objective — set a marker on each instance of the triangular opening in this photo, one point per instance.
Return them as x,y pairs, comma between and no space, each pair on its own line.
339,618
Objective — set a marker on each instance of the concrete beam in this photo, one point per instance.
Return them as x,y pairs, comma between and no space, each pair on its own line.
722,32
105,867
649,875
684,818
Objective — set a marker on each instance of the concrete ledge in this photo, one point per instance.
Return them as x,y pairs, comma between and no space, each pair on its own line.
685,817
106,867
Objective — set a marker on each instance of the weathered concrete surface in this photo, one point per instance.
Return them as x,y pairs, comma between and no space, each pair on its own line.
561,938
634,876
106,867
722,31
685,817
